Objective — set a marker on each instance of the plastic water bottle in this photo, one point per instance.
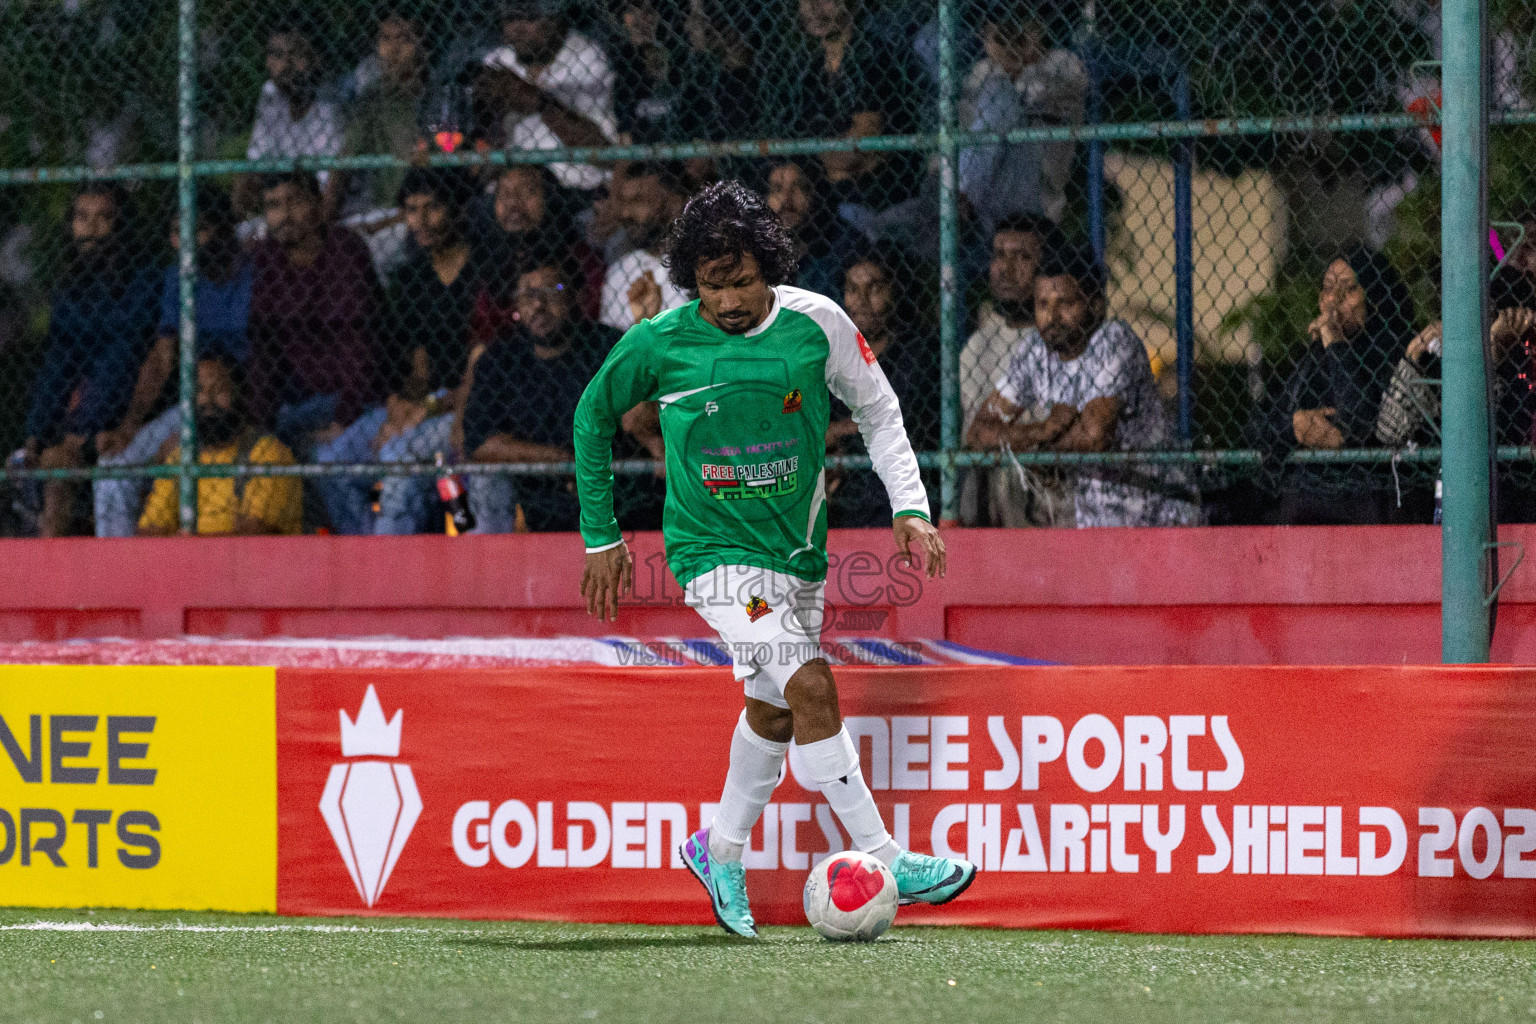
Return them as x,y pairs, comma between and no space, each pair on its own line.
1439,490
450,490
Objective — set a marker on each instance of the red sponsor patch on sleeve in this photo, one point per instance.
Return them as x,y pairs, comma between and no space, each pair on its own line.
869,355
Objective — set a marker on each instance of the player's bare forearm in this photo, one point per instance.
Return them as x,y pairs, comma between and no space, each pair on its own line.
608,574
917,532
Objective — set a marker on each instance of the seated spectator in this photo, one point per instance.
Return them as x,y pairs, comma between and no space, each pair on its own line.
431,304
1514,289
550,86
878,295
1410,407
841,81
1007,316
99,321
688,86
393,115
295,116
798,192
648,197
1019,83
522,401
530,219
225,436
925,46
1333,396
1092,378
1009,495
314,310
222,294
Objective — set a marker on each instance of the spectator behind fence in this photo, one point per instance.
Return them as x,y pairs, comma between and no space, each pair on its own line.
431,304
798,192
1094,378
880,297
225,436
99,320
222,294
392,115
1009,495
682,86
1514,288
1019,83
549,86
314,313
841,81
648,196
1410,406
522,401
1333,397
295,115
531,218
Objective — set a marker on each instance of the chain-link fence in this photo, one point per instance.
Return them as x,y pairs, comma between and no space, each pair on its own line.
347,266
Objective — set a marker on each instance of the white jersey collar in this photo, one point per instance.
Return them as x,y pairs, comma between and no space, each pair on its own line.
773,313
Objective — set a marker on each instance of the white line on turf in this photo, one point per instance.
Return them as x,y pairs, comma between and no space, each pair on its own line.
91,926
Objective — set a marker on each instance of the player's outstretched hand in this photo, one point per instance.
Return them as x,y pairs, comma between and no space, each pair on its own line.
607,575
915,531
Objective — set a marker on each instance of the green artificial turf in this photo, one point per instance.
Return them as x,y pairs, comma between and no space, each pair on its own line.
412,970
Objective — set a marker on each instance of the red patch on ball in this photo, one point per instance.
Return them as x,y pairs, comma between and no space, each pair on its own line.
853,885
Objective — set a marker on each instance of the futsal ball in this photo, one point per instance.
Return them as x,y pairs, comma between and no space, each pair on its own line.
850,897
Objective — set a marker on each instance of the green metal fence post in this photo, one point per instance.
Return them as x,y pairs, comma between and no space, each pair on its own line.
949,300
186,197
1464,535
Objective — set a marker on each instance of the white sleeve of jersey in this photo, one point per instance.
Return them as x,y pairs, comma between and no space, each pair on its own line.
854,376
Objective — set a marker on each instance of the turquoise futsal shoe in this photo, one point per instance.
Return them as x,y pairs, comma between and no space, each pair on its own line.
725,883
932,880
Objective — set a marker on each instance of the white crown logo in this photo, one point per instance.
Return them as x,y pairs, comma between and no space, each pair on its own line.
370,806
370,734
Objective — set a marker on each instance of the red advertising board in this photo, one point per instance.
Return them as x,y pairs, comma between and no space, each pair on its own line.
1377,801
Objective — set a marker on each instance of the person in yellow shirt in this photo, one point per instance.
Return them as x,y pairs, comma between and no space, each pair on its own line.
228,505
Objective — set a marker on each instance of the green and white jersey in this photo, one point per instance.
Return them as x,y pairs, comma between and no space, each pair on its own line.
744,417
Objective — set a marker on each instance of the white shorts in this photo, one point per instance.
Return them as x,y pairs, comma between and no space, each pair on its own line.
770,623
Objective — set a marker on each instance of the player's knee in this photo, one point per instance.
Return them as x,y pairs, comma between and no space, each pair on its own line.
769,721
811,689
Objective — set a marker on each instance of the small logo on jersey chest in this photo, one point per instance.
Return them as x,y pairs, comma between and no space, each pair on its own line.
792,401
756,608
710,408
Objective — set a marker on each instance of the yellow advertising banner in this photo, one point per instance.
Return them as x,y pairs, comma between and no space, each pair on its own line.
143,787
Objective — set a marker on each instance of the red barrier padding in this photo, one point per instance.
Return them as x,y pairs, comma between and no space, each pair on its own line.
1228,595
1359,801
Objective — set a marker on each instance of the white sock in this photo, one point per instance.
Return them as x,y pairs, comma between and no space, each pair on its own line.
754,773
833,764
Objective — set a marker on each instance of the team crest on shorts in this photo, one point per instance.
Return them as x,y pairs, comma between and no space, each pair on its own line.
792,401
756,608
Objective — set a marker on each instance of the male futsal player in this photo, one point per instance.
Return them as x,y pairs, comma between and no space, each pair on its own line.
744,376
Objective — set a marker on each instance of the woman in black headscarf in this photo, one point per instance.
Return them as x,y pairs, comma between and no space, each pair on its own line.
1364,321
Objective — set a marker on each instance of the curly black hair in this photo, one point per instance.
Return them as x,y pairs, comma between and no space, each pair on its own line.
728,220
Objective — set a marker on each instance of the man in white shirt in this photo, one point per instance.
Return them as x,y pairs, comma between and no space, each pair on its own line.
294,117
1092,375
648,197
1008,496
550,87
